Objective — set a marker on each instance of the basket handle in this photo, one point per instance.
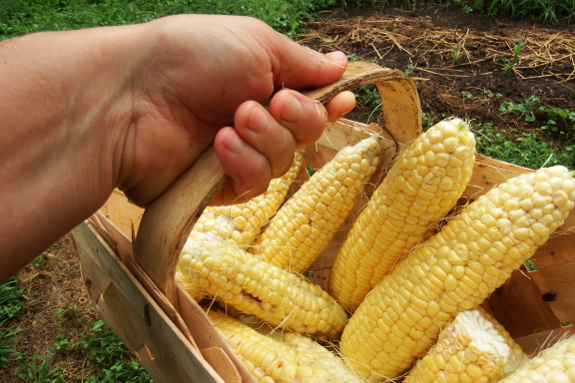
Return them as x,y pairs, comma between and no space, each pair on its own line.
168,220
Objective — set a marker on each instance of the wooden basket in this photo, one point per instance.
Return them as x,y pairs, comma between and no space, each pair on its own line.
131,277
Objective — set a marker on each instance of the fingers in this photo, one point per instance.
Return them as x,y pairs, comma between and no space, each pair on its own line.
261,145
249,170
340,105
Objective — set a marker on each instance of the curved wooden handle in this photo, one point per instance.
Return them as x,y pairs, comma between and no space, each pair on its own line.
168,221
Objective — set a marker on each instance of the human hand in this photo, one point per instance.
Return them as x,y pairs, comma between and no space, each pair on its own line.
134,106
203,74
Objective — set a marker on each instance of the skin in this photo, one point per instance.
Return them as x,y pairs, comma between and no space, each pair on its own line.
86,111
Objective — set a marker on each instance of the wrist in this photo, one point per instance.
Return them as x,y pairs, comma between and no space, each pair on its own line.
65,103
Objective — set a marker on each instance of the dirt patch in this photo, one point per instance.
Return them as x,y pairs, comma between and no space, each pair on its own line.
58,309
464,64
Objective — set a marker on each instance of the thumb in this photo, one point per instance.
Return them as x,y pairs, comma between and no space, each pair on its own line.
297,67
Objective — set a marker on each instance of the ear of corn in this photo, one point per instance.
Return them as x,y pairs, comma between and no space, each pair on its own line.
283,356
468,350
455,270
516,355
555,364
257,288
421,187
303,227
239,224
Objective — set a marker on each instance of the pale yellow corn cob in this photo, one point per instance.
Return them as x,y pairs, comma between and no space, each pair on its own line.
555,364
255,287
283,356
421,187
468,350
303,227
256,371
239,224
455,270
516,355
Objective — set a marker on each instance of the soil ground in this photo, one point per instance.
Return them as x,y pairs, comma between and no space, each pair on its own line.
424,41
458,60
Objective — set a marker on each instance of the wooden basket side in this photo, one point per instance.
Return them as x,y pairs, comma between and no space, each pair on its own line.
135,317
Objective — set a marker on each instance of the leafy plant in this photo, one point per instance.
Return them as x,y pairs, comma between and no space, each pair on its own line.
12,301
104,348
524,150
546,11
26,16
7,337
40,371
530,265
455,52
526,108
490,94
510,64
368,96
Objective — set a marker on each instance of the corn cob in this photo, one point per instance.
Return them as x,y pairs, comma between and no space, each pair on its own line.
422,186
468,350
516,355
240,224
303,227
257,288
455,270
283,356
556,364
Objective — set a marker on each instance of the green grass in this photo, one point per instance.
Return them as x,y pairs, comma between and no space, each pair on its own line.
12,306
545,11
103,348
518,147
18,17
103,351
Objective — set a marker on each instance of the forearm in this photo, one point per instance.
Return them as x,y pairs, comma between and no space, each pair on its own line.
57,152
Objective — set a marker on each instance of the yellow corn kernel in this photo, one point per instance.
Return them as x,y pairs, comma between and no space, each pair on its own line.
275,295
385,296
239,224
280,355
555,364
368,239
322,205
468,349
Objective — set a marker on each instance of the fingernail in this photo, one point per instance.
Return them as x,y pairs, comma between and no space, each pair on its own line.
337,56
293,110
235,144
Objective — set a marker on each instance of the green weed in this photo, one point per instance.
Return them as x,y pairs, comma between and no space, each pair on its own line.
12,301
368,96
511,63
530,265
526,108
455,52
102,347
490,94
18,17
40,371
12,306
71,315
7,354
518,147
546,11
426,121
